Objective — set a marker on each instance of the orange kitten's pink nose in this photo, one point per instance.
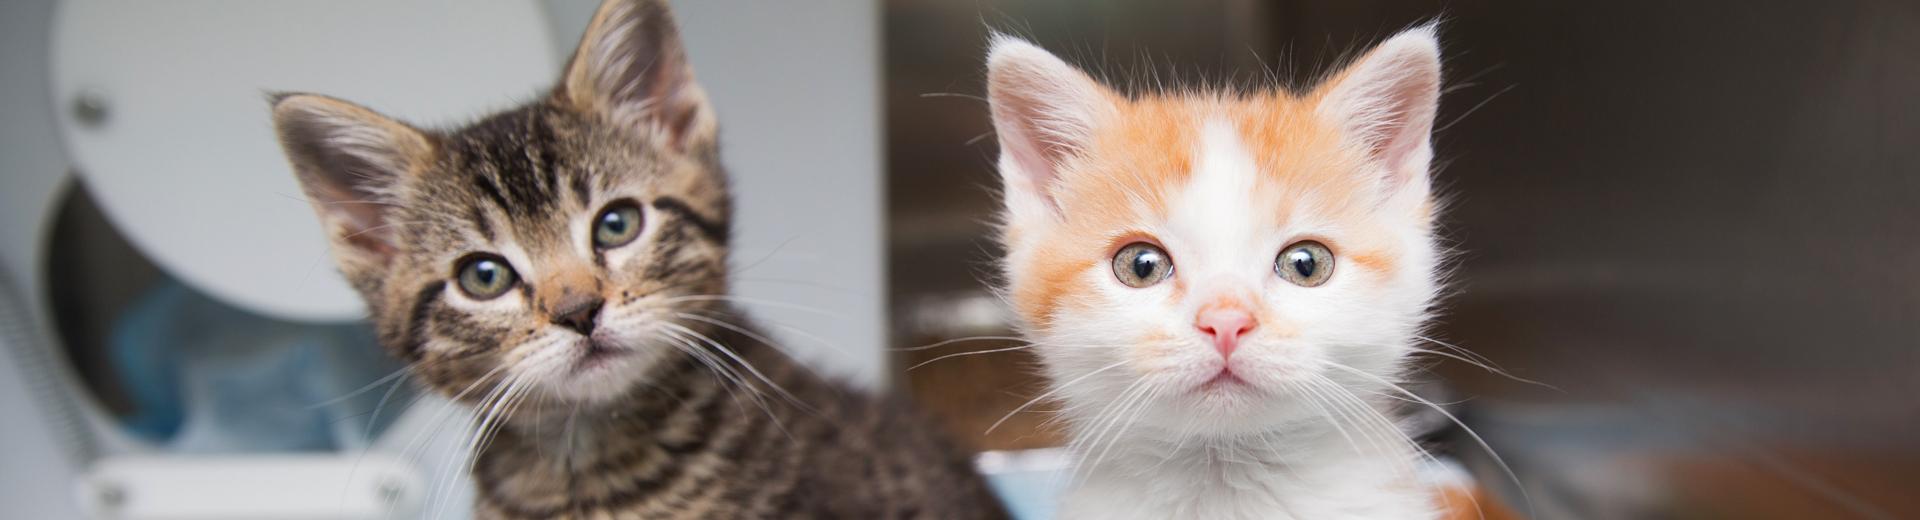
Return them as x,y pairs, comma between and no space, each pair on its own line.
1226,325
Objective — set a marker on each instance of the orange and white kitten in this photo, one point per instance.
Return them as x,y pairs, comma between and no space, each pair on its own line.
1225,287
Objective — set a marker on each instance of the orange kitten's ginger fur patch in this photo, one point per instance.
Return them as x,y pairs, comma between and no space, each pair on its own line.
1224,287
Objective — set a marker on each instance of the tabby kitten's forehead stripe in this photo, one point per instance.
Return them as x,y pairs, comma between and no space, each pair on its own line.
562,267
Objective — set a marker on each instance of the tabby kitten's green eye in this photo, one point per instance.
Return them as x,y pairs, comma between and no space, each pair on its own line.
1306,264
617,225
485,277
1141,264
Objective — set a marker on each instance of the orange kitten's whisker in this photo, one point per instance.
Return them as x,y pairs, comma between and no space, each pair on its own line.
1497,459
1476,108
998,350
1105,421
1320,403
1050,393
1144,402
971,353
1456,348
943,343
953,95
1364,411
932,346
1388,425
1483,366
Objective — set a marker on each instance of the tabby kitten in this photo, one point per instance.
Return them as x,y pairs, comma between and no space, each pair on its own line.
1224,286
563,267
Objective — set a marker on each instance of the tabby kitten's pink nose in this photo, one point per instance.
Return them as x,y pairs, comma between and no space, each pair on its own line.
1226,325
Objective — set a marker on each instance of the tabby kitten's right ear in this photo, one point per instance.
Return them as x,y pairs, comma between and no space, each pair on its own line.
349,161
632,69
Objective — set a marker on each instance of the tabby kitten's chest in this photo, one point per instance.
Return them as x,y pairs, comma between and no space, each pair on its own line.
696,446
665,454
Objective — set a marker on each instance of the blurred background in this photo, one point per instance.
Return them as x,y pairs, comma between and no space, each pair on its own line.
1697,224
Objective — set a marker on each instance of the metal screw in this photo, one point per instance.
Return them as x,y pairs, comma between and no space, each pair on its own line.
90,108
110,495
390,492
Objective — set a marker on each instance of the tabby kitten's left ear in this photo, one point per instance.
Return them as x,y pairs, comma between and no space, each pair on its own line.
350,161
632,69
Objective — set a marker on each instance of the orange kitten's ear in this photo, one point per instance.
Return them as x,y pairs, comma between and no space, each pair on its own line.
1385,102
349,161
631,68
1044,111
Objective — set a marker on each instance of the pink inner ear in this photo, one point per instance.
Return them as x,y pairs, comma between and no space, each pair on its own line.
1043,111
1408,138
1388,99
632,66
1035,158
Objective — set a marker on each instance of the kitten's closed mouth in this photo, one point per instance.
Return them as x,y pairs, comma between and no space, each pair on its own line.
1225,380
597,354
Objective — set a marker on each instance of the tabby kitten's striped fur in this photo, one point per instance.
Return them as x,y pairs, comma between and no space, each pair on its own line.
562,266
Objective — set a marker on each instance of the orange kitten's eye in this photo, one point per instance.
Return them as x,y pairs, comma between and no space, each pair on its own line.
1306,264
617,225
1141,264
485,277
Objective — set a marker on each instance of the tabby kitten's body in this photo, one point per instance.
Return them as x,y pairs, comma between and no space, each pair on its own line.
687,448
562,266
1224,286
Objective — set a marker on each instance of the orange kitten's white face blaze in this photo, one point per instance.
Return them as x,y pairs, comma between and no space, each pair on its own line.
1297,229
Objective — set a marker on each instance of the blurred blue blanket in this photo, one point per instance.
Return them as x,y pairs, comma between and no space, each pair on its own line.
206,377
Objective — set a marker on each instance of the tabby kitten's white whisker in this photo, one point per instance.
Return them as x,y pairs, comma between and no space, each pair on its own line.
486,413
815,339
729,379
425,435
391,377
741,362
763,339
754,301
733,377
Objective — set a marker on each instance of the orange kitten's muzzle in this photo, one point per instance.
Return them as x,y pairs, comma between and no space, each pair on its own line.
1225,324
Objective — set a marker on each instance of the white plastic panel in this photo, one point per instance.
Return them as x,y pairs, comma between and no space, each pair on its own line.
184,160
288,487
